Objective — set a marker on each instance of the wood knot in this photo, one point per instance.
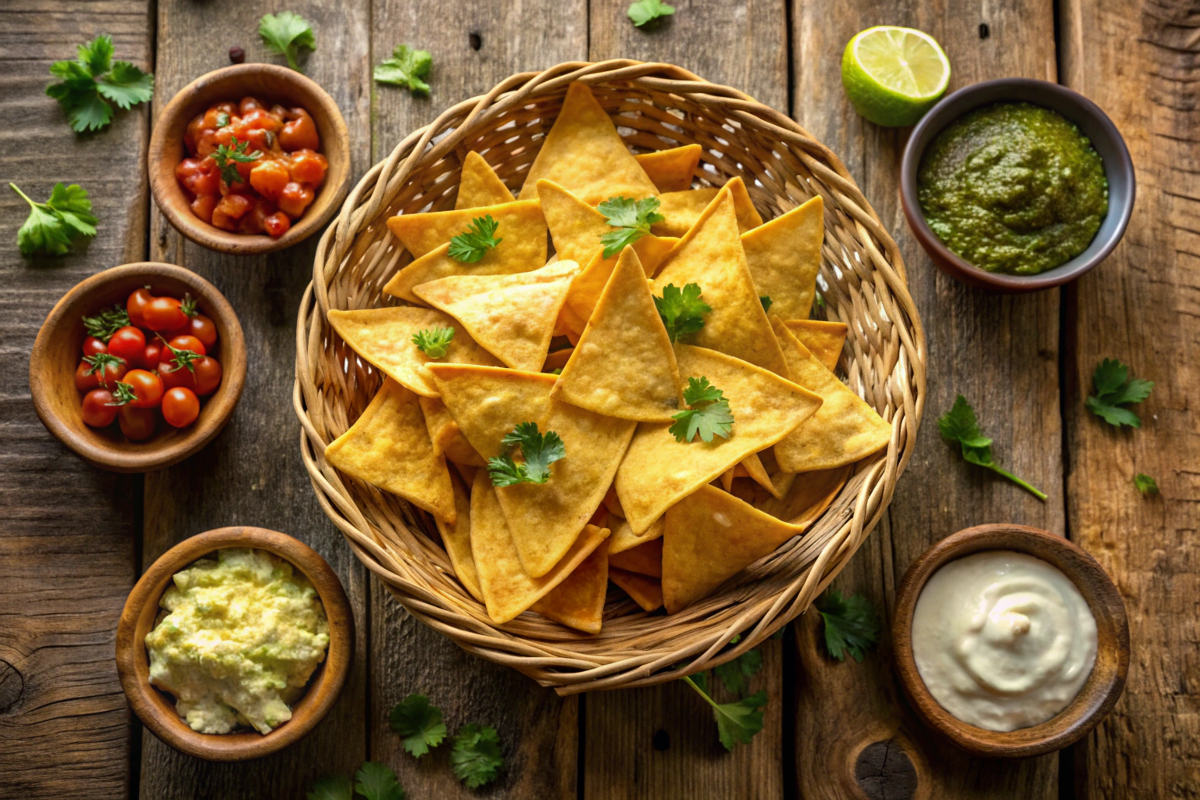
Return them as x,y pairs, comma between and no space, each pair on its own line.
885,772
12,687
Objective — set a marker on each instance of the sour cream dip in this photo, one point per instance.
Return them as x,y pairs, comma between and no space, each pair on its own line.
1003,640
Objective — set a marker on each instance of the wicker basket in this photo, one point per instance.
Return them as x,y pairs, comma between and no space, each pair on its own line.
657,106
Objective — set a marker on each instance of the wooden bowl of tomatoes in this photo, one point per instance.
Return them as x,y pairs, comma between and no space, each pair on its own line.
138,367
249,159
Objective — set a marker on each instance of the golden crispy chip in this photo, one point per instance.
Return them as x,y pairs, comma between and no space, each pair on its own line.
807,496
575,227
510,316
844,430
624,538
823,339
388,446
438,264
480,185
446,436
681,210
487,403
727,477
710,255
645,559
672,170
384,337
749,467
784,257
457,539
624,365
521,226
557,359
578,602
658,471
584,154
507,588
612,504
646,592
587,287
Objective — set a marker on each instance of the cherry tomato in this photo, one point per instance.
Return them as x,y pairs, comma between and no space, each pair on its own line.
137,423
174,375
188,342
203,329
93,346
300,133
151,355
136,305
127,343
277,224
164,314
98,411
147,388
208,375
180,407
88,377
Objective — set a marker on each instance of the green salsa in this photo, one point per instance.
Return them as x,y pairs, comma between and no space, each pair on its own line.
1013,187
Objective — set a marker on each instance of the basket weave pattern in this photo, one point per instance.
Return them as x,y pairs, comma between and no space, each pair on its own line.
656,106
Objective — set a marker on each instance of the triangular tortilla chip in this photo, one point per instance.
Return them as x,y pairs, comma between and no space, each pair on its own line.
520,226
645,559
623,537
672,170
444,432
507,588
710,537
710,255
749,467
584,154
510,316
557,359
658,471
589,284
844,429
784,257
807,496
613,503
646,592
384,337
457,539
480,185
823,339
575,227
578,602
388,446
546,518
681,210
438,264
487,403
624,365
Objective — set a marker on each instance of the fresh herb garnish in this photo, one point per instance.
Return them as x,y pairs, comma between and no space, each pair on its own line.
1114,389
54,225
90,82
820,300
766,301
643,11
959,426
736,722
851,624
433,342
107,322
736,674
539,452
407,67
682,311
1145,484
419,723
331,787
556,371
707,414
476,758
631,218
286,33
98,363
228,158
377,782
472,245
222,119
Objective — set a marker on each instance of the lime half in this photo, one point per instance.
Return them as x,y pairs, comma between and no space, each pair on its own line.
894,75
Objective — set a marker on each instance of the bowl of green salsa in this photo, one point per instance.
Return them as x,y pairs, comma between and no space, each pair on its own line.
1017,185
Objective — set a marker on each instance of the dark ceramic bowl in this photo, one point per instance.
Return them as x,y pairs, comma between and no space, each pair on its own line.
1094,123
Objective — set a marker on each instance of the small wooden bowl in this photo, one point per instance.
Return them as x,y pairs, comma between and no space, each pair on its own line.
56,353
1098,694
156,709
270,84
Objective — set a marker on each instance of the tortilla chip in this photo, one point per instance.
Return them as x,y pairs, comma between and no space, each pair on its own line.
445,434
823,339
844,429
388,446
510,316
521,226
749,467
784,257
589,285
457,539
575,227
727,478
578,602
624,364
507,589
658,471
710,537
672,170
584,154
479,185
557,360
681,210
710,254
383,336
487,403
646,592
438,264
645,559
807,497
624,538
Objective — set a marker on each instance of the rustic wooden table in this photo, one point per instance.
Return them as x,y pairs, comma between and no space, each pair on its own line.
74,539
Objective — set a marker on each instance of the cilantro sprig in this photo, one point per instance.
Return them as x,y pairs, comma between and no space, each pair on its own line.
538,450
104,324
851,624
408,67
228,157
707,414
433,342
90,83
286,33
736,722
372,781
473,244
631,218
766,301
53,226
736,674
1115,390
959,426
419,723
1145,484
476,758
681,310
643,11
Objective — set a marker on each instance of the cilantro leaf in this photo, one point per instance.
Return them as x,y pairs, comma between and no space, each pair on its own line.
86,83
959,426
538,450
1115,389
1145,484
476,757
766,301
286,33
632,220
228,158
419,723
331,787
851,624
473,244
682,311
708,413
736,674
96,56
644,11
433,342
377,782
126,85
53,226
736,722
407,67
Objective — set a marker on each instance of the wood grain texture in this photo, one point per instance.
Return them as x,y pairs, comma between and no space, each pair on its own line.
67,542
1140,62
251,474
1001,353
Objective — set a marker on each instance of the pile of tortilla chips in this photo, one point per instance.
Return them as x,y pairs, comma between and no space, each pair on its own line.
576,344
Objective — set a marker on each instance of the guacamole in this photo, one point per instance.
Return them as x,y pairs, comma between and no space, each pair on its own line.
1013,187
243,635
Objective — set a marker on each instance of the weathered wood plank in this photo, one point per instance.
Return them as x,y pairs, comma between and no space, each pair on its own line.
1140,61
1001,353
68,539
252,474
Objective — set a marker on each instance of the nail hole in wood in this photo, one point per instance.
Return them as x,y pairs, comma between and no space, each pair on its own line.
476,41
984,32
885,772
662,740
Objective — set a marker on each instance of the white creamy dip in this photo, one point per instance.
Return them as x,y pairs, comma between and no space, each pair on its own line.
1003,640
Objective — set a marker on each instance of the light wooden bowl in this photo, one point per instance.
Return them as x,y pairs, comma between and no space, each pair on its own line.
156,709
270,84
1094,700
56,353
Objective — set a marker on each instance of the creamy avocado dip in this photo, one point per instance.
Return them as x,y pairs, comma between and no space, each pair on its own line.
1013,187
243,635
